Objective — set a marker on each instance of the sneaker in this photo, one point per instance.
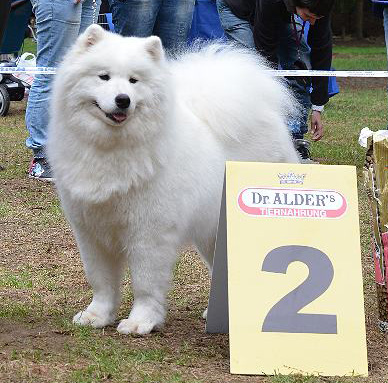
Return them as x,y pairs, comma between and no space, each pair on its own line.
303,148
40,170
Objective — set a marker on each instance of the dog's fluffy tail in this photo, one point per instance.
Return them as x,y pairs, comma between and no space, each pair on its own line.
228,88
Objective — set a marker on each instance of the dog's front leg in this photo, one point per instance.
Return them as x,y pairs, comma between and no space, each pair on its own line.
151,271
104,271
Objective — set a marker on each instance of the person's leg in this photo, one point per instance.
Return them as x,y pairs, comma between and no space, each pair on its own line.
134,17
385,14
89,15
173,23
236,30
57,24
5,7
293,57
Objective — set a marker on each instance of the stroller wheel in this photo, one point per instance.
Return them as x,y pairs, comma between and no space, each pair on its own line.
4,100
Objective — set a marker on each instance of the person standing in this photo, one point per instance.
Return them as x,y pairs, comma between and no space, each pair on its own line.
58,24
276,29
168,19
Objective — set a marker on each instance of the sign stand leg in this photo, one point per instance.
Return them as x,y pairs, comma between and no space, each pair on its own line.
218,309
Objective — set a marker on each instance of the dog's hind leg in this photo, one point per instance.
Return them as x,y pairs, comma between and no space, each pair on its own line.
151,264
104,272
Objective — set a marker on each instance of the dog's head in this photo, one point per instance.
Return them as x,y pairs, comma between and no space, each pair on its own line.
112,78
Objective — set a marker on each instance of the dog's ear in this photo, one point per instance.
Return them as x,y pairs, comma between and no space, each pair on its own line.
153,46
92,35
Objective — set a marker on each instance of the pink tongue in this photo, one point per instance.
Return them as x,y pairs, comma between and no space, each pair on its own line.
119,117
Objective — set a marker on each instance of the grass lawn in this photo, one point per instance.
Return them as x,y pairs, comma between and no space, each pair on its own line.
359,58
42,284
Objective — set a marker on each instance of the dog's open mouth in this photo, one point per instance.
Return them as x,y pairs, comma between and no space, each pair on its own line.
116,117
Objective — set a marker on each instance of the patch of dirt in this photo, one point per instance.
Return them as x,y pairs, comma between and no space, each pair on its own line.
353,42
362,83
30,336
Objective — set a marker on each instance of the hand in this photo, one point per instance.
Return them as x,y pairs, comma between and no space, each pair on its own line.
316,126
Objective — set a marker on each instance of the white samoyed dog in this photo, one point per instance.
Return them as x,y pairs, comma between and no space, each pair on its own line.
138,145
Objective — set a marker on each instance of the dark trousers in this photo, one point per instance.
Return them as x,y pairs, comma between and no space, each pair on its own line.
5,7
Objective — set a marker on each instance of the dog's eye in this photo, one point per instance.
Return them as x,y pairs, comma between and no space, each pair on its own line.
133,80
104,77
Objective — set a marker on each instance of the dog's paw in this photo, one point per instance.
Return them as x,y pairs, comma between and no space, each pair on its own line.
130,326
143,318
88,318
204,314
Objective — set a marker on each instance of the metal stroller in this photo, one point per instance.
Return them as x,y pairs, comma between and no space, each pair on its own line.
11,88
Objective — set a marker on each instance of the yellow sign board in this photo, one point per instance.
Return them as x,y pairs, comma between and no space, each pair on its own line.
294,270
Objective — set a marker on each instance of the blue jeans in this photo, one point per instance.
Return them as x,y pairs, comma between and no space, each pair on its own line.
168,19
58,23
236,30
288,52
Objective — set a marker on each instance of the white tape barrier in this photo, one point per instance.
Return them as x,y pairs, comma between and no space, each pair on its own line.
29,70
278,73
328,73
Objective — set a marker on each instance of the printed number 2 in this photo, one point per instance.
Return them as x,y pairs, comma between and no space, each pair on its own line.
284,316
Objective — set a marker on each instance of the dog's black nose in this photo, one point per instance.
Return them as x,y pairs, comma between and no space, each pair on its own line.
122,101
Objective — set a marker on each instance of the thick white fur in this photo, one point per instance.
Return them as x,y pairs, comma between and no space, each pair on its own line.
134,192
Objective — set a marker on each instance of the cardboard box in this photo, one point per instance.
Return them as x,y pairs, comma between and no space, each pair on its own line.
376,182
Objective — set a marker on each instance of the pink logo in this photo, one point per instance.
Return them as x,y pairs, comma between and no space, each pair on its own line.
292,203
